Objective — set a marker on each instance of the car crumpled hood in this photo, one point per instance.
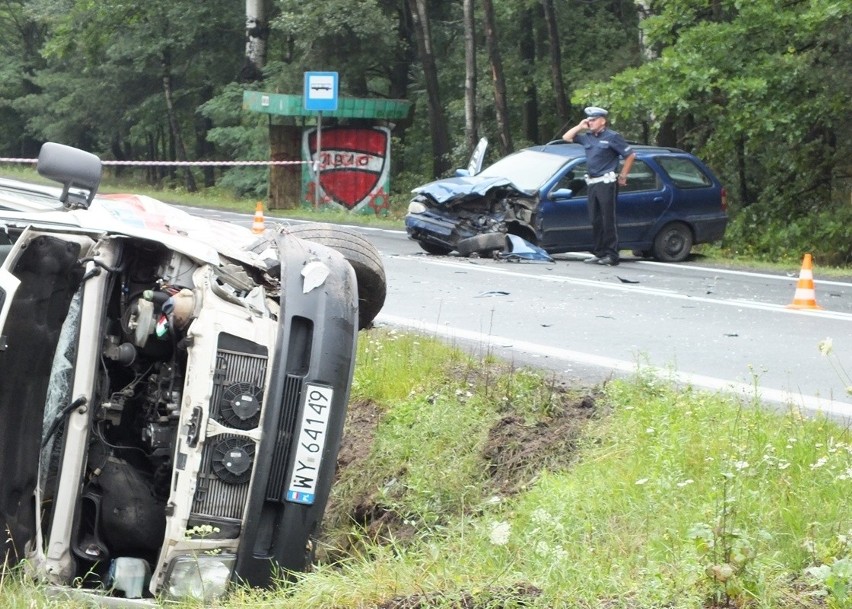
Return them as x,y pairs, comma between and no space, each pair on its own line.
461,188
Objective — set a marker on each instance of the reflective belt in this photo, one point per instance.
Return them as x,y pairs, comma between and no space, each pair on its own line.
605,178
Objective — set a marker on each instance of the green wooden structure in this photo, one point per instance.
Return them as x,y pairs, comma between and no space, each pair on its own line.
292,135
280,104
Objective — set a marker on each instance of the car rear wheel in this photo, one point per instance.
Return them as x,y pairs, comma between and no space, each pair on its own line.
361,255
673,243
484,244
435,250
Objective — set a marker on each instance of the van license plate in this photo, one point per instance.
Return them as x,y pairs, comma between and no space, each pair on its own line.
306,467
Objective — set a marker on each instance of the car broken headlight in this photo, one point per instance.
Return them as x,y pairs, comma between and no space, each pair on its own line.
203,577
416,207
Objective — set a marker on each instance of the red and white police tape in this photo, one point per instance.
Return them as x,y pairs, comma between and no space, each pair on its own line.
176,163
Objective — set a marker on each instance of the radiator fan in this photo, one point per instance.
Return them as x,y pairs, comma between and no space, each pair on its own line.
232,460
240,405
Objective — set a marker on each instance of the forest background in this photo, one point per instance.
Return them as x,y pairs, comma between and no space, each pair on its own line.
759,89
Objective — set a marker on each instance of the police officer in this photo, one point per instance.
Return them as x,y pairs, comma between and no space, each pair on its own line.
603,149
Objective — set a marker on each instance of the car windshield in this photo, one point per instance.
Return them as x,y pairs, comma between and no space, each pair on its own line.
527,169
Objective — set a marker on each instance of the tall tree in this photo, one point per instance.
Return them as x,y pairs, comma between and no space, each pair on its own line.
127,79
257,34
471,128
437,120
174,126
498,80
527,55
732,76
21,38
562,106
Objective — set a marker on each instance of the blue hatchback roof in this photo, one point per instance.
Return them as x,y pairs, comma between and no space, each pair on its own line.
576,150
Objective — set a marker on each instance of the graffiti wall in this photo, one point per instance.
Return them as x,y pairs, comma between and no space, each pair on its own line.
354,168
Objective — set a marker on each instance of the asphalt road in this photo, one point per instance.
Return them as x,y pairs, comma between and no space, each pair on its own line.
713,328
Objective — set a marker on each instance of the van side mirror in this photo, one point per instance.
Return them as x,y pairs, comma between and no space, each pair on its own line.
74,169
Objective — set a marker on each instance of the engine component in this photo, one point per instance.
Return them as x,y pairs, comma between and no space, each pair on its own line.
240,405
132,516
232,460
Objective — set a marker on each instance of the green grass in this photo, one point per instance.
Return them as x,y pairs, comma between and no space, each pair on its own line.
668,497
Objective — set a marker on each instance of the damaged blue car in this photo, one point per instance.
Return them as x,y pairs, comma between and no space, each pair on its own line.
672,201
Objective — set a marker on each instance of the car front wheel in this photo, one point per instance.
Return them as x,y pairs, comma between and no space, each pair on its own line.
673,243
486,243
435,250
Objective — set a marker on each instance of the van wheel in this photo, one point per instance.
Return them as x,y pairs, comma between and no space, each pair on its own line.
360,254
673,243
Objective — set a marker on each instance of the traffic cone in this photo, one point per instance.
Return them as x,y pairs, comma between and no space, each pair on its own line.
805,297
258,226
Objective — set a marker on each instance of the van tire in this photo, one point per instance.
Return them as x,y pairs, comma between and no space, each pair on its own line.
360,254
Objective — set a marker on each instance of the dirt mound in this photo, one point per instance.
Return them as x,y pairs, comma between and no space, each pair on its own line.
515,596
515,453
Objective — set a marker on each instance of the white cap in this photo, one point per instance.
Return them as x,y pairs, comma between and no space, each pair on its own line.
594,111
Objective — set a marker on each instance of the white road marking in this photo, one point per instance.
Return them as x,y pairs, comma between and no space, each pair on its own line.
809,403
637,289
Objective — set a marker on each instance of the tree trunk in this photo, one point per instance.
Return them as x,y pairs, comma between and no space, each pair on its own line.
400,71
666,135
742,173
471,129
501,106
257,33
643,9
285,181
437,120
180,149
527,52
563,106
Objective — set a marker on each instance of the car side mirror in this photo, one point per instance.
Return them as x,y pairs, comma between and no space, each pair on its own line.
462,173
73,168
562,193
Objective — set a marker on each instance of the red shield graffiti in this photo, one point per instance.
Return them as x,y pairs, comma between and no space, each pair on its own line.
353,162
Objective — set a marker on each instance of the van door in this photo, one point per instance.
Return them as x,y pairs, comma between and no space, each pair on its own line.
38,280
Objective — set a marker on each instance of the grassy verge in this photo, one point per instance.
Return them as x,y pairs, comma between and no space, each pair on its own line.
464,483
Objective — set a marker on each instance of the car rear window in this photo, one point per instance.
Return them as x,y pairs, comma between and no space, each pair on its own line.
683,172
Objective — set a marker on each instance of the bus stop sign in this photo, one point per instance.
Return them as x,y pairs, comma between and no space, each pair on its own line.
320,91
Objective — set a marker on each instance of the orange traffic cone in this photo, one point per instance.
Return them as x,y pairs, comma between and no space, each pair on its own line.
805,297
258,226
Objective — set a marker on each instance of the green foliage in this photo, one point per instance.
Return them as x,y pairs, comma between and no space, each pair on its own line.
765,232
732,86
238,136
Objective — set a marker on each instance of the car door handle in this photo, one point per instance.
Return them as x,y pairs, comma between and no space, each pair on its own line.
658,199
